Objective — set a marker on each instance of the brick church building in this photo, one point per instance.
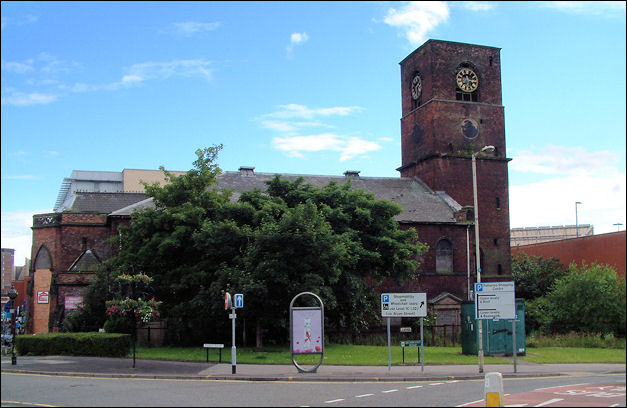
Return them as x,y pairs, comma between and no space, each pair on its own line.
451,110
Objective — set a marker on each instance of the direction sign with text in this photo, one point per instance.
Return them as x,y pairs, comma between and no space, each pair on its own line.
404,305
495,300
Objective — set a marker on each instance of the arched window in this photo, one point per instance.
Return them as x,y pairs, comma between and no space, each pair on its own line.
43,259
444,256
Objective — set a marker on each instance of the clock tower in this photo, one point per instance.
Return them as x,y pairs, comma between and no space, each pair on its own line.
451,109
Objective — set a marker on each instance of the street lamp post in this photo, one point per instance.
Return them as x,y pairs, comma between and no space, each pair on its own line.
577,218
12,295
477,250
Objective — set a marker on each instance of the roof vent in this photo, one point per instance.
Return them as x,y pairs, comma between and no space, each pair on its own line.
351,173
246,171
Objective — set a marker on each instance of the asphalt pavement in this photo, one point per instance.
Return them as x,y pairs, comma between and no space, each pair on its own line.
123,368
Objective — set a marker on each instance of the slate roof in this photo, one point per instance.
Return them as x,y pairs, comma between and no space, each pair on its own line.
103,203
420,203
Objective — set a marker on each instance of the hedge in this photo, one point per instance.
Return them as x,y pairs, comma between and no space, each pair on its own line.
74,344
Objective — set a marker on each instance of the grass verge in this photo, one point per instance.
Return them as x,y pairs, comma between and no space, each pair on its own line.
341,354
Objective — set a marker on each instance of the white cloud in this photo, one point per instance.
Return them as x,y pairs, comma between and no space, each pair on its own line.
17,233
293,110
164,70
21,177
27,99
349,147
18,67
552,202
476,5
418,18
561,160
596,8
574,174
291,119
296,39
191,27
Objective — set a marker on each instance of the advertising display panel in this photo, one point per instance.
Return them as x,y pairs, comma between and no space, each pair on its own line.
307,331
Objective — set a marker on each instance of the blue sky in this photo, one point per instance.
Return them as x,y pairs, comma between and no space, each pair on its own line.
305,88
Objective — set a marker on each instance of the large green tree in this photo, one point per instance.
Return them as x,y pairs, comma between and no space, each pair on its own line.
534,276
270,245
590,299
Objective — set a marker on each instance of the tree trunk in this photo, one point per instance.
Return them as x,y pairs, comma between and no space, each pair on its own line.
258,338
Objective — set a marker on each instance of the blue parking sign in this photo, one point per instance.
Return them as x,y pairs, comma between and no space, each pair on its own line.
239,300
385,298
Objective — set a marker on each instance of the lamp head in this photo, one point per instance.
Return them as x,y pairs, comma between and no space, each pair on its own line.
489,148
12,293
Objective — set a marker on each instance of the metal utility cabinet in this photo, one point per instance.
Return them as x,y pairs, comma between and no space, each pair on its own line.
497,334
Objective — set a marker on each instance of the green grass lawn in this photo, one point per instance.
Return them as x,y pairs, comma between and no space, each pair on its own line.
574,355
340,354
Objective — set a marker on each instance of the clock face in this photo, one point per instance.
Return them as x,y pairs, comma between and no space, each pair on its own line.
416,87
467,80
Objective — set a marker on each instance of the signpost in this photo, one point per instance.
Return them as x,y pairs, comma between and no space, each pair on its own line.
404,305
239,300
497,300
228,304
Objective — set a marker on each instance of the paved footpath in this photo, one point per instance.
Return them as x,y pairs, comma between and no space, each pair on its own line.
123,367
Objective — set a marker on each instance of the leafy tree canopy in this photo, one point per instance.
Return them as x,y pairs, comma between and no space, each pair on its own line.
270,245
534,276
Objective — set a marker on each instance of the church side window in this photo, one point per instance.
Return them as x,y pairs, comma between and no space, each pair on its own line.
444,256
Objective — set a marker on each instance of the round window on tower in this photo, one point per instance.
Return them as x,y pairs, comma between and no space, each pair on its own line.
469,129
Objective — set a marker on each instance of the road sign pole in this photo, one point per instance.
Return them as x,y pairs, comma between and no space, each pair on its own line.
233,348
389,348
422,346
515,345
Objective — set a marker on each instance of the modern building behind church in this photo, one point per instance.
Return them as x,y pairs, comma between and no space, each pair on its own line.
451,109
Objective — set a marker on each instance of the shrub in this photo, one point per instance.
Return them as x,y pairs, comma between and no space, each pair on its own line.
575,339
74,344
590,299
119,324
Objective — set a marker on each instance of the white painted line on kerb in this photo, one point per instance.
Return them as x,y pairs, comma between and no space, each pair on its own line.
363,395
542,404
413,386
385,392
335,400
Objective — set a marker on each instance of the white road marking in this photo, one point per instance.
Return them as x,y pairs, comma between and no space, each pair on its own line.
413,386
469,403
385,392
440,383
560,386
335,400
542,404
363,395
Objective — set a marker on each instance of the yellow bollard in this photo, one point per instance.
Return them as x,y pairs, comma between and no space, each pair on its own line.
493,386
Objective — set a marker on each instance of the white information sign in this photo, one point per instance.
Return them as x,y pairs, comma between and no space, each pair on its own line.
495,300
403,304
